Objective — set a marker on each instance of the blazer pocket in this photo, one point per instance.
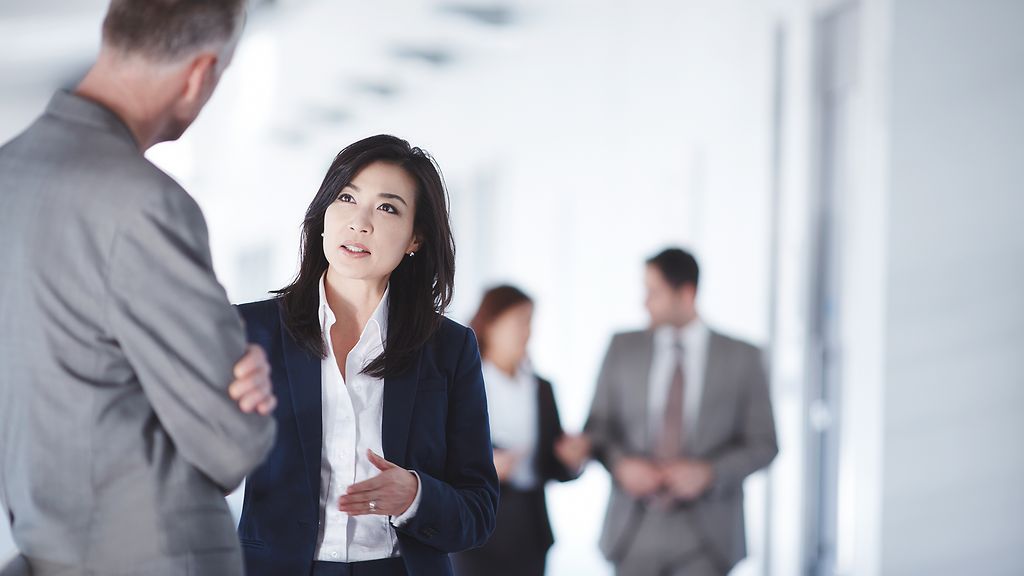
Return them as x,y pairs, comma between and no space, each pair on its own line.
432,385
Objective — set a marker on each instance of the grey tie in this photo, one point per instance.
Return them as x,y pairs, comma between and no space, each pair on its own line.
671,440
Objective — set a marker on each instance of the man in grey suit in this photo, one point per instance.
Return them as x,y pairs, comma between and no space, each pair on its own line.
126,413
680,417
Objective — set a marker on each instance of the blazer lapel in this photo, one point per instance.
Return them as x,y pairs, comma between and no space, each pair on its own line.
399,399
304,384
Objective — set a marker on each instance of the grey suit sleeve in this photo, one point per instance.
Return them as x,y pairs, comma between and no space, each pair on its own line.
604,423
182,337
17,566
755,445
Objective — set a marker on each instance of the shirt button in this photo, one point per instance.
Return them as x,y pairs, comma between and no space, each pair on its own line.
334,554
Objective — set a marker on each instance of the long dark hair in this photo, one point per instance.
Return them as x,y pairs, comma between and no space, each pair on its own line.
495,302
420,287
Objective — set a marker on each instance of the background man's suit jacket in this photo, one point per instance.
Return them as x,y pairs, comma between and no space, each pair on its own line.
735,433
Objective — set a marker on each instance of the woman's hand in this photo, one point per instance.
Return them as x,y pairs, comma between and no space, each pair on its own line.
505,462
389,493
573,451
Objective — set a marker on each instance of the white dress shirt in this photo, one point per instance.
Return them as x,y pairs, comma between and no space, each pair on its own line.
694,337
353,412
512,408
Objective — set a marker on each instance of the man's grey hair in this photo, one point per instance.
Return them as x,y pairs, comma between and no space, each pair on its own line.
168,30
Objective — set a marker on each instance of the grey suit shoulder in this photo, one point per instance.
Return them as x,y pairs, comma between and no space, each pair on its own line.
634,338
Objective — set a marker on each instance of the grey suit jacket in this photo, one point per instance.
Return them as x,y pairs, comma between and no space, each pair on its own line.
735,432
117,437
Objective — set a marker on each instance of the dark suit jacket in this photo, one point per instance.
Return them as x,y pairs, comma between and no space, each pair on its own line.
435,422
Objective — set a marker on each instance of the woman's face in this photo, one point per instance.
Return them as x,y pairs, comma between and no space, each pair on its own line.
368,228
509,334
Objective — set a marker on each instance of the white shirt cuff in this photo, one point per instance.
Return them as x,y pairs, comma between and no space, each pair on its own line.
410,512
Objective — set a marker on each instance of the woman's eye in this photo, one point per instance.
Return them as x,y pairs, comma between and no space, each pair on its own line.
390,209
346,197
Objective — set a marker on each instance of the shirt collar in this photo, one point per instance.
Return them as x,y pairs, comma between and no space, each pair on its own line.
494,375
377,327
691,334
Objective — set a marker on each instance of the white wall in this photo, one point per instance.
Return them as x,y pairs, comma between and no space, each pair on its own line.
954,465
930,245
863,252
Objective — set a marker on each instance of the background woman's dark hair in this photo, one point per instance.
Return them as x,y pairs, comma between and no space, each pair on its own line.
678,266
420,287
495,302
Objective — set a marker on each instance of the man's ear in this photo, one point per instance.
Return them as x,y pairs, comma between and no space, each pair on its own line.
691,292
686,293
199,73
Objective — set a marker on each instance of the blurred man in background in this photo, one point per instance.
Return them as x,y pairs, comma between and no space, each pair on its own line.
680,417
121,428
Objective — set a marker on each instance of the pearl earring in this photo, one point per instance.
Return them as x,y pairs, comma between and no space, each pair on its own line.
411,254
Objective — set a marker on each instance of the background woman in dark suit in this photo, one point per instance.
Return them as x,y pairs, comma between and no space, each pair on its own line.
529,446
383,462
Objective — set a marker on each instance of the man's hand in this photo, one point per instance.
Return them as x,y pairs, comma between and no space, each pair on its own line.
252,388
688,480
573,451
638,477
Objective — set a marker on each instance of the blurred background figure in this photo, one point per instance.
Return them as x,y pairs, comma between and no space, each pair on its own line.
681,417
530,447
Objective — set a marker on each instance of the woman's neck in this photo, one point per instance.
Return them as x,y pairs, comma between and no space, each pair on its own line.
508,366
353,301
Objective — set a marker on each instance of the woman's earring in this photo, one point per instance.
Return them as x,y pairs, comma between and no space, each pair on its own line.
411,254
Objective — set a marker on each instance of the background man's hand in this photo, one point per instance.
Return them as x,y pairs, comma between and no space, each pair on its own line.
638,477
688,480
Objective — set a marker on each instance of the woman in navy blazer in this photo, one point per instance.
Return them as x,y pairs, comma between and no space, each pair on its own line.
402,474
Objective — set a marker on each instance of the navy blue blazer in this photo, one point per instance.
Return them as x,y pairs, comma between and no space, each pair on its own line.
435,422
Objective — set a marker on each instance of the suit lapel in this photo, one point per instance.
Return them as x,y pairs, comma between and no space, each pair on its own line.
304,383
640,400
399,400
714,367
